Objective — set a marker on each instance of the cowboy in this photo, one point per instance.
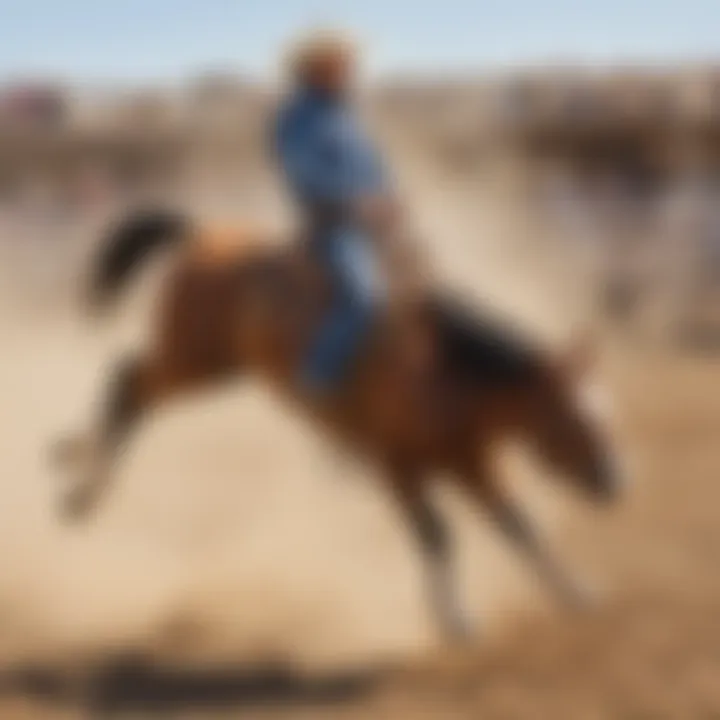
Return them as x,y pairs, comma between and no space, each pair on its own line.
342,188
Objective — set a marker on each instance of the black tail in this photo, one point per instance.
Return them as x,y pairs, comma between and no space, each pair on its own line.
129,242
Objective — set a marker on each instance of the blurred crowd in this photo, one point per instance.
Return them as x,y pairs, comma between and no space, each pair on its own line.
626,160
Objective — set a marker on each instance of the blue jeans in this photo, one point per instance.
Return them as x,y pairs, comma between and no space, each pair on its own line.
347,254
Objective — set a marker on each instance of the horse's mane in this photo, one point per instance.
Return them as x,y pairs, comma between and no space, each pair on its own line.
477,348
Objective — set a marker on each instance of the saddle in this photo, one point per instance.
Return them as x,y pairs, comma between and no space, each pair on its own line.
395,336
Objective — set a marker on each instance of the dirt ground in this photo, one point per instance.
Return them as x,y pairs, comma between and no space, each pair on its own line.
241,569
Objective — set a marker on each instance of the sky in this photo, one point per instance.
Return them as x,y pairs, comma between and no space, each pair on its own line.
164,39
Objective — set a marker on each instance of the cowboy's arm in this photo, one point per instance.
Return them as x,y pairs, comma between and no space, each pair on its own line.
367,180
378,208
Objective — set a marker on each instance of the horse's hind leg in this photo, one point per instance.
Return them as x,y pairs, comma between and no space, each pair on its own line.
131,390
433,537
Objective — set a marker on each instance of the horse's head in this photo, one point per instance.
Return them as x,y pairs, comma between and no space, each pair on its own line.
569,424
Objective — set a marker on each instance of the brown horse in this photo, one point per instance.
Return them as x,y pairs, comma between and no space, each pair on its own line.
435,390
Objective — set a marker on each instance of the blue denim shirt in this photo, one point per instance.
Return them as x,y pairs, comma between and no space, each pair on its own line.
326,157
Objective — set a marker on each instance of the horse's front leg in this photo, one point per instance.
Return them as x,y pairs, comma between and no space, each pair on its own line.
518,529
433,537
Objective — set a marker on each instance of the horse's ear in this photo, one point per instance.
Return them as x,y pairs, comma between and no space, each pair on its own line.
580,355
